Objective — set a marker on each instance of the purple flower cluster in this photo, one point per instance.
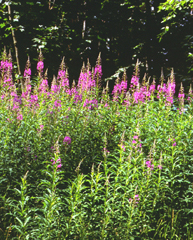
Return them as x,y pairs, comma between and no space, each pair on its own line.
85,81
174,142
181,95
57,104
27,73
91,104
134,81
5,65
98,71
55,88
167,92
43,86
143,93
119,88
6,71
136,142
20,117
40,66
58,161
64,81
63,77
149,165
67,140
77,98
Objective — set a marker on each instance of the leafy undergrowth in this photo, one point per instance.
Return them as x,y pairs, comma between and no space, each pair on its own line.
81,163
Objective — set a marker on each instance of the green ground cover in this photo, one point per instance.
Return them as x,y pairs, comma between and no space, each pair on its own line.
82,163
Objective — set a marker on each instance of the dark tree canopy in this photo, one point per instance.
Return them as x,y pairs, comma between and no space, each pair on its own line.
123,31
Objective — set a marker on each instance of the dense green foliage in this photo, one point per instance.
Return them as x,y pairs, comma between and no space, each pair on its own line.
122,30
76,163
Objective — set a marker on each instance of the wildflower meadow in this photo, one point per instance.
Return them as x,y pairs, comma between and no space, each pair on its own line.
84,162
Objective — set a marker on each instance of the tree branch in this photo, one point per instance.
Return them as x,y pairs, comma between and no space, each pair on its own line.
14,40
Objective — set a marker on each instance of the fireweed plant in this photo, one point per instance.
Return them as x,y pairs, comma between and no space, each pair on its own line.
79,162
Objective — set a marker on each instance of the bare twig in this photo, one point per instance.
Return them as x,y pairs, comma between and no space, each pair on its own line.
51,7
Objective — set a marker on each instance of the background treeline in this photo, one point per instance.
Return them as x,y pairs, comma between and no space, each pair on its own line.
121,30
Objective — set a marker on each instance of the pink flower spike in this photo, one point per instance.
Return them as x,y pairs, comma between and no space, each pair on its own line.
135,137
40,66
134,142
174,144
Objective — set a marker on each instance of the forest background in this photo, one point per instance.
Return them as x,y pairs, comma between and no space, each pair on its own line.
158,33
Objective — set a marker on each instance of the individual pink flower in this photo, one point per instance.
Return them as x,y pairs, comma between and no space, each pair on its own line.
59,165
53,162
67,140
